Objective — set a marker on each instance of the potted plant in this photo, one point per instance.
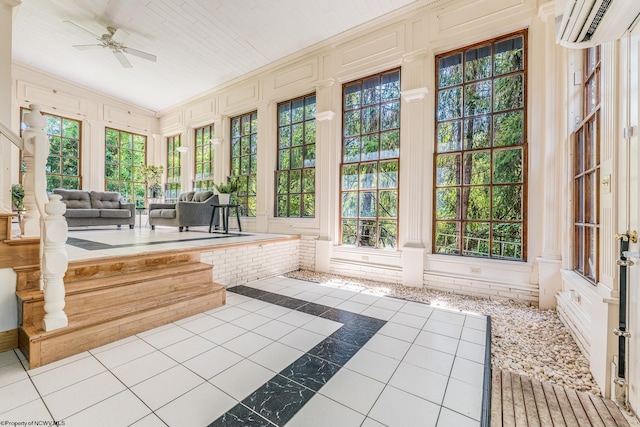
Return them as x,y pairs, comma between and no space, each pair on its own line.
152,175
225,190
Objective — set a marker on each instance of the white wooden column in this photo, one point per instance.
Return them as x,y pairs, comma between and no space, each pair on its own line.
6,148
413,170
326,187
264,173
552,131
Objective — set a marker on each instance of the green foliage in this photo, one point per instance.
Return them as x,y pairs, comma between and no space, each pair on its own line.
152,175
231,186
17,196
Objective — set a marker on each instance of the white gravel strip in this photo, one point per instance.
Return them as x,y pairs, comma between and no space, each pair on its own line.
525,340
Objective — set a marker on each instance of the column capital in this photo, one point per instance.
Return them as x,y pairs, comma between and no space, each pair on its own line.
415,55
327,83
412,95
325,115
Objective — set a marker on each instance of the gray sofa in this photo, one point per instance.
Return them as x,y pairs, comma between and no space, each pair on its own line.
191,209
86,208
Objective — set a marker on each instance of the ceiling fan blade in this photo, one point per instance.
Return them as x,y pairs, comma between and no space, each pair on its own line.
87,46
84,30
123,59
120,36
140,54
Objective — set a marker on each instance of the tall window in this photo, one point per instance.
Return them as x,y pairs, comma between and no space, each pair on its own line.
480,154
244,160
371,161
63,163
125,154
174,170
296,174
586,172
204,159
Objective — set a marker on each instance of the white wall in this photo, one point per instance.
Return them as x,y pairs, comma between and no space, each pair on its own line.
95,110
409,41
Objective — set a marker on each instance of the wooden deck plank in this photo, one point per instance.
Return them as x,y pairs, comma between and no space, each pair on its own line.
542,405
590,409
508,416
533,420
525,401
565,407
496,398
518,401
599,407
575,405
616,413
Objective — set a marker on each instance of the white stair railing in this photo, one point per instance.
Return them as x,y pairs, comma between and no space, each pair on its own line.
43,218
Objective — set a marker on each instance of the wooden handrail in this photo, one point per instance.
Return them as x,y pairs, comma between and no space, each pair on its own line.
11,136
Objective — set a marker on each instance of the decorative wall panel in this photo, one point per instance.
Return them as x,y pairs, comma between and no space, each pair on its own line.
47,97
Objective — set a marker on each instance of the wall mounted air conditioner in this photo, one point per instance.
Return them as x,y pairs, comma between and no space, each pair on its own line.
586,23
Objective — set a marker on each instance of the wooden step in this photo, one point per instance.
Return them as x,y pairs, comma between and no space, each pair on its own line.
29,276
96,294
125,279
86,332
113,298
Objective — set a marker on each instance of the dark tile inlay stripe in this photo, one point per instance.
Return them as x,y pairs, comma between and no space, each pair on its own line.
310,371
279,399
239,416
286,393
353,335
334,351
90,245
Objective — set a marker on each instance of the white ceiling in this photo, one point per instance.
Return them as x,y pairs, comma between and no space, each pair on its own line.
200,44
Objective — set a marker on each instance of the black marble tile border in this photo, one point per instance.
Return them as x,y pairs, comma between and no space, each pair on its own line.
90,245
485,415
280,398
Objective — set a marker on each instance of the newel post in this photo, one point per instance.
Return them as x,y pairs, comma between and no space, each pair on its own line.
54,264
35,153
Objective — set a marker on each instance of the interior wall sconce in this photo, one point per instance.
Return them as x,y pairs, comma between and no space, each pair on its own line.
182,149
215,141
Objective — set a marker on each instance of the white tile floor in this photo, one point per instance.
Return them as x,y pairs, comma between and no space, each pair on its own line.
424,367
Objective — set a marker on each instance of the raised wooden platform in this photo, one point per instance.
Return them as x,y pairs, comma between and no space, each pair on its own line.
112,298
15,251
518,400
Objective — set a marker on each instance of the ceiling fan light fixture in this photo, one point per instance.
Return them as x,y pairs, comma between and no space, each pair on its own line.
113,39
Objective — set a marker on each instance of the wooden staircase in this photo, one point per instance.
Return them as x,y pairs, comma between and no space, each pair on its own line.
113,298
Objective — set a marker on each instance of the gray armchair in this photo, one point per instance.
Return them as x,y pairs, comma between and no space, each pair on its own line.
192,209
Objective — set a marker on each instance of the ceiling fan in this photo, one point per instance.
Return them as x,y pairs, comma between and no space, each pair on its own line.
114,39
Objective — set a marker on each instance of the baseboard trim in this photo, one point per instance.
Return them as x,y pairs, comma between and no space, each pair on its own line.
8,340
